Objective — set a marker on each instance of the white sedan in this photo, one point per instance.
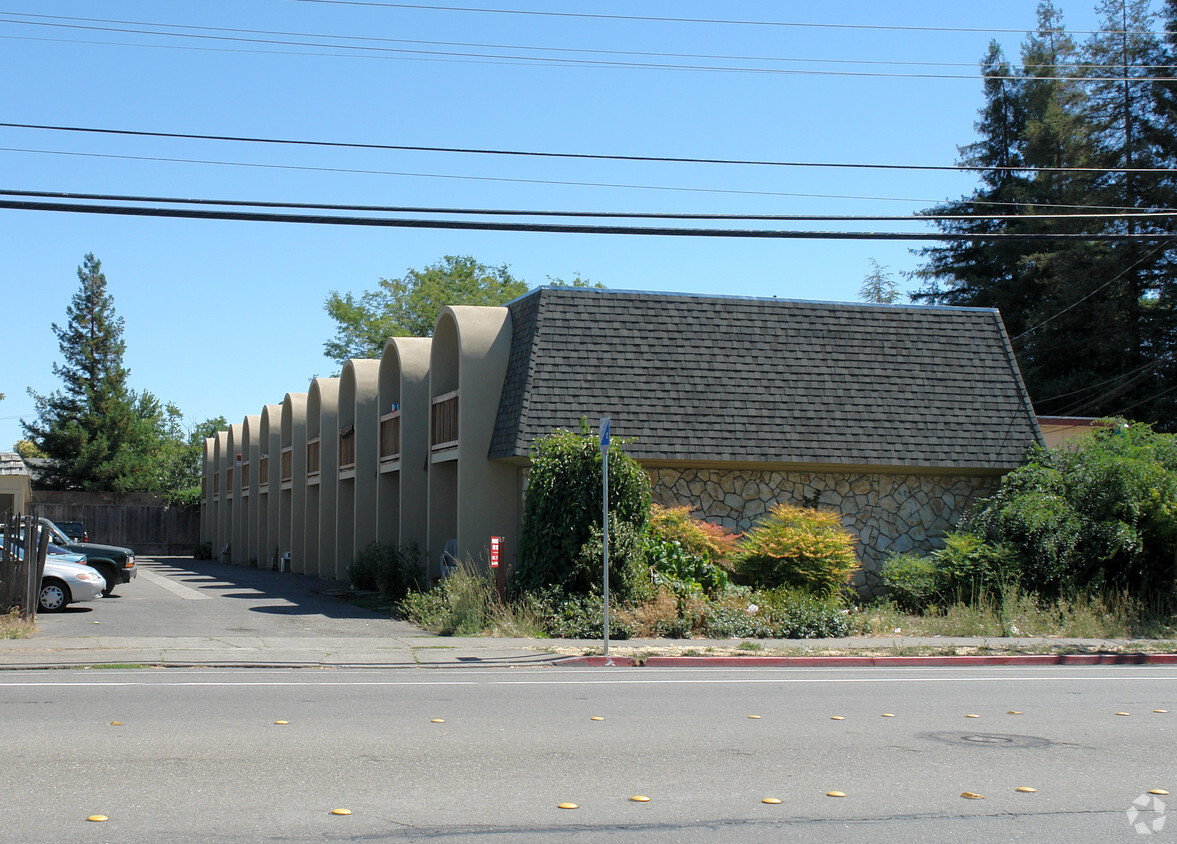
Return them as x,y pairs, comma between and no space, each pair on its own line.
65,582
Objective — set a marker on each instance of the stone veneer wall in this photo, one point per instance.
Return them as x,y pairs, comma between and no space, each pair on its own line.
888,512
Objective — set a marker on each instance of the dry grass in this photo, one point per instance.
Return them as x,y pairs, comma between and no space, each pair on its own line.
12,626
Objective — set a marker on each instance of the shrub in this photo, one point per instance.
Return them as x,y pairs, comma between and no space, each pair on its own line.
563,505
629,574
390,569
567,616
775,614
1099,515
801,547
461,605
968,568
912,581
682,570
696,537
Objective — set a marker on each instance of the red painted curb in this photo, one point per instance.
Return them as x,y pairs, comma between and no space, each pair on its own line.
867,661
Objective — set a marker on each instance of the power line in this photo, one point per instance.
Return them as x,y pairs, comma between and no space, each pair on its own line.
659,159
593,50
631,215
666,19
482,225
564,183
360,50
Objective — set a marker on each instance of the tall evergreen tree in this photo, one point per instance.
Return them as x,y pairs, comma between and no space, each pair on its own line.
97,433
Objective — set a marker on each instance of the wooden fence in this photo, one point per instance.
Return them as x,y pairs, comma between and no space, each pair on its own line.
20,572
142,523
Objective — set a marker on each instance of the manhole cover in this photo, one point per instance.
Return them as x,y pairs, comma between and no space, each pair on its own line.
987,739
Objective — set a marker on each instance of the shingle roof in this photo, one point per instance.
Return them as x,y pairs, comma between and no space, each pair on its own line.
717,379
12,464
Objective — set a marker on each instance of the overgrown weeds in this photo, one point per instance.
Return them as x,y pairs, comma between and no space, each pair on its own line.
14,626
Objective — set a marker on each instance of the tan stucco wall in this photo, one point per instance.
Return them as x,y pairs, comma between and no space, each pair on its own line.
292,502
221,502
474,498
403,497
236,534
887,512
323,497
251,430
358,405
269,446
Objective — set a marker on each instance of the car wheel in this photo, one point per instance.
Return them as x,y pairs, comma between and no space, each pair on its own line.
54,595
111,576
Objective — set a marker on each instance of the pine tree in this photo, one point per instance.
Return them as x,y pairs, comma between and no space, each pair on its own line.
97,433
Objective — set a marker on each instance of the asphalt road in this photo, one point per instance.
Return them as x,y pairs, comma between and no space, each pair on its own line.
198,755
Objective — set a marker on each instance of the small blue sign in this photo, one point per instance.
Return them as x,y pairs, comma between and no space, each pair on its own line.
604,433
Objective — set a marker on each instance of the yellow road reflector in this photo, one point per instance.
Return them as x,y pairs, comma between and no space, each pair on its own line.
116,723
98,818
639,798
437,721
567,806
754,717
770,800
972,795
837,718
1157,791
281,722
341,811
835,794
1124,713
970,715
1013,712
596,718
1025,789
888,715
1161,711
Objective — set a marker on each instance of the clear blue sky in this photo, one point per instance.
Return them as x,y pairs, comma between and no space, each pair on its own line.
224,317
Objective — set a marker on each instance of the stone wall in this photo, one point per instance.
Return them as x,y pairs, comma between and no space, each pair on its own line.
888,512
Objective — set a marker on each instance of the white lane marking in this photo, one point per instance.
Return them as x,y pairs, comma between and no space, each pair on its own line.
614,682
185,592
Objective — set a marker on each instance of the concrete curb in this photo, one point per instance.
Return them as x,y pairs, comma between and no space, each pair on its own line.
866,661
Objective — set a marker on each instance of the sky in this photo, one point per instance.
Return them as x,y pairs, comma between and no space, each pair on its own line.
223,317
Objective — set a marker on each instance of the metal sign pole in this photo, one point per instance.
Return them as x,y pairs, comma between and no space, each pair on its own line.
605,520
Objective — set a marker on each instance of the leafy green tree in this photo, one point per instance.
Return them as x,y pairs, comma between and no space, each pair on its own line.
560,542
27,448
96,431
181,457
409,306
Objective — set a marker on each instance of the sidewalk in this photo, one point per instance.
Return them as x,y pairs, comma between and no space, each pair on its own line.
181,612
427,651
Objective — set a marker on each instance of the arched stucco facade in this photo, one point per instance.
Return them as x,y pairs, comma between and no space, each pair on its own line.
359,430
232,481
471,498
269,448
250,431
403,494
322,476
208,519
292,481
220,535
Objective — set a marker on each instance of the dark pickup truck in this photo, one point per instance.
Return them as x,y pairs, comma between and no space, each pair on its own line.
116,565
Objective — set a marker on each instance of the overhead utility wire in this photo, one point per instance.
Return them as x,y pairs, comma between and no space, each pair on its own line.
622,215
564,183
540,48
660,159
555,61
483,225
663,19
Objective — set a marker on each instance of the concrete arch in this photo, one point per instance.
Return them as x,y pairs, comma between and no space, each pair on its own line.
269,448
470,497
403,495
220,516
292,480
250,452
359,432
208,528
322,485
232,481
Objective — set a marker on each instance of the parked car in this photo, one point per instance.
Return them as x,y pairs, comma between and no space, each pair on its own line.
64,583
65,580
74,530
115,564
